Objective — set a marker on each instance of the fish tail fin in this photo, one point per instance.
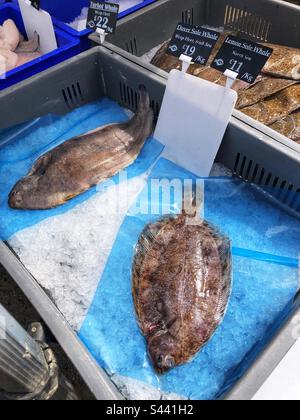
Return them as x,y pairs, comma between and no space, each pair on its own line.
144,100
144,116
192,200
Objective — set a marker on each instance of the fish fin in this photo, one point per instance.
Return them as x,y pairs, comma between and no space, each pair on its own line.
30,46
160,53
142,248
225,252
144,100
40,165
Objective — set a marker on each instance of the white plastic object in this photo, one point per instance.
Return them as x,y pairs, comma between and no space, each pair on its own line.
102,34
38,21
231,78
192,121
186,62
284,382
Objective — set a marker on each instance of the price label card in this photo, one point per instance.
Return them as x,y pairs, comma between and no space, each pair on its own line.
243,57
103,15
36,4
193,41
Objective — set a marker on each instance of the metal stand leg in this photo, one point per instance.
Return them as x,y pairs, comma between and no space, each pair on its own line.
28,367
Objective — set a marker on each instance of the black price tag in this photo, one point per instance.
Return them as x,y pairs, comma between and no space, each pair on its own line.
103,15
36,4
243,57
193,41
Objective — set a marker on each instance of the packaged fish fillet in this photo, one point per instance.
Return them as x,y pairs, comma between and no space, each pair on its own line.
159,316
289,126
284,62
277,106
268,86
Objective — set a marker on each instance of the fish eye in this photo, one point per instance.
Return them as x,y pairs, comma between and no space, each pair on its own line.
160,360
169,362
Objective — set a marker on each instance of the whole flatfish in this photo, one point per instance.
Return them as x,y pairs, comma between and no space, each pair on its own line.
284,62
181,287
168,62
214,76
82,162
289,126
275,107
267,87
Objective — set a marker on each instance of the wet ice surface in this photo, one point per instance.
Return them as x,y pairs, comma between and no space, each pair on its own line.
133,389
73,248
79,23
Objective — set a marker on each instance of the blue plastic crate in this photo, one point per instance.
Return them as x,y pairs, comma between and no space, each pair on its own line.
64,12
68,46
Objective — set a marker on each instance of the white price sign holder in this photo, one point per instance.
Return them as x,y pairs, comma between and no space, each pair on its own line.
102,34
38,21
193,119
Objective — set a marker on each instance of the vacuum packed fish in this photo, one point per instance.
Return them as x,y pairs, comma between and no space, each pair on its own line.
271,98
289,126
284,62
277,106
168,62
181,287
82,162
267,87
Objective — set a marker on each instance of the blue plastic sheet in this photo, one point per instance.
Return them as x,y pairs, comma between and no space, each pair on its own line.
264,286
21,146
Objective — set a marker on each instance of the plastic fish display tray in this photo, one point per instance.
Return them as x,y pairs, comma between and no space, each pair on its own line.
258,20
249,155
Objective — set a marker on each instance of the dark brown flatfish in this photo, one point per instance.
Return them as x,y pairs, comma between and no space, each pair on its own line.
214,76
181,287
284,62
275,107
289,126
82,162
267,87
169,62
166,61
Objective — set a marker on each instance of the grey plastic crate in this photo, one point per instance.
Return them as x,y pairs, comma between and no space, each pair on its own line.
100,72
258,20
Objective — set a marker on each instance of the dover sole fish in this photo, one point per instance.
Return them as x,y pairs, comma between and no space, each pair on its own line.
82,162
181,287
